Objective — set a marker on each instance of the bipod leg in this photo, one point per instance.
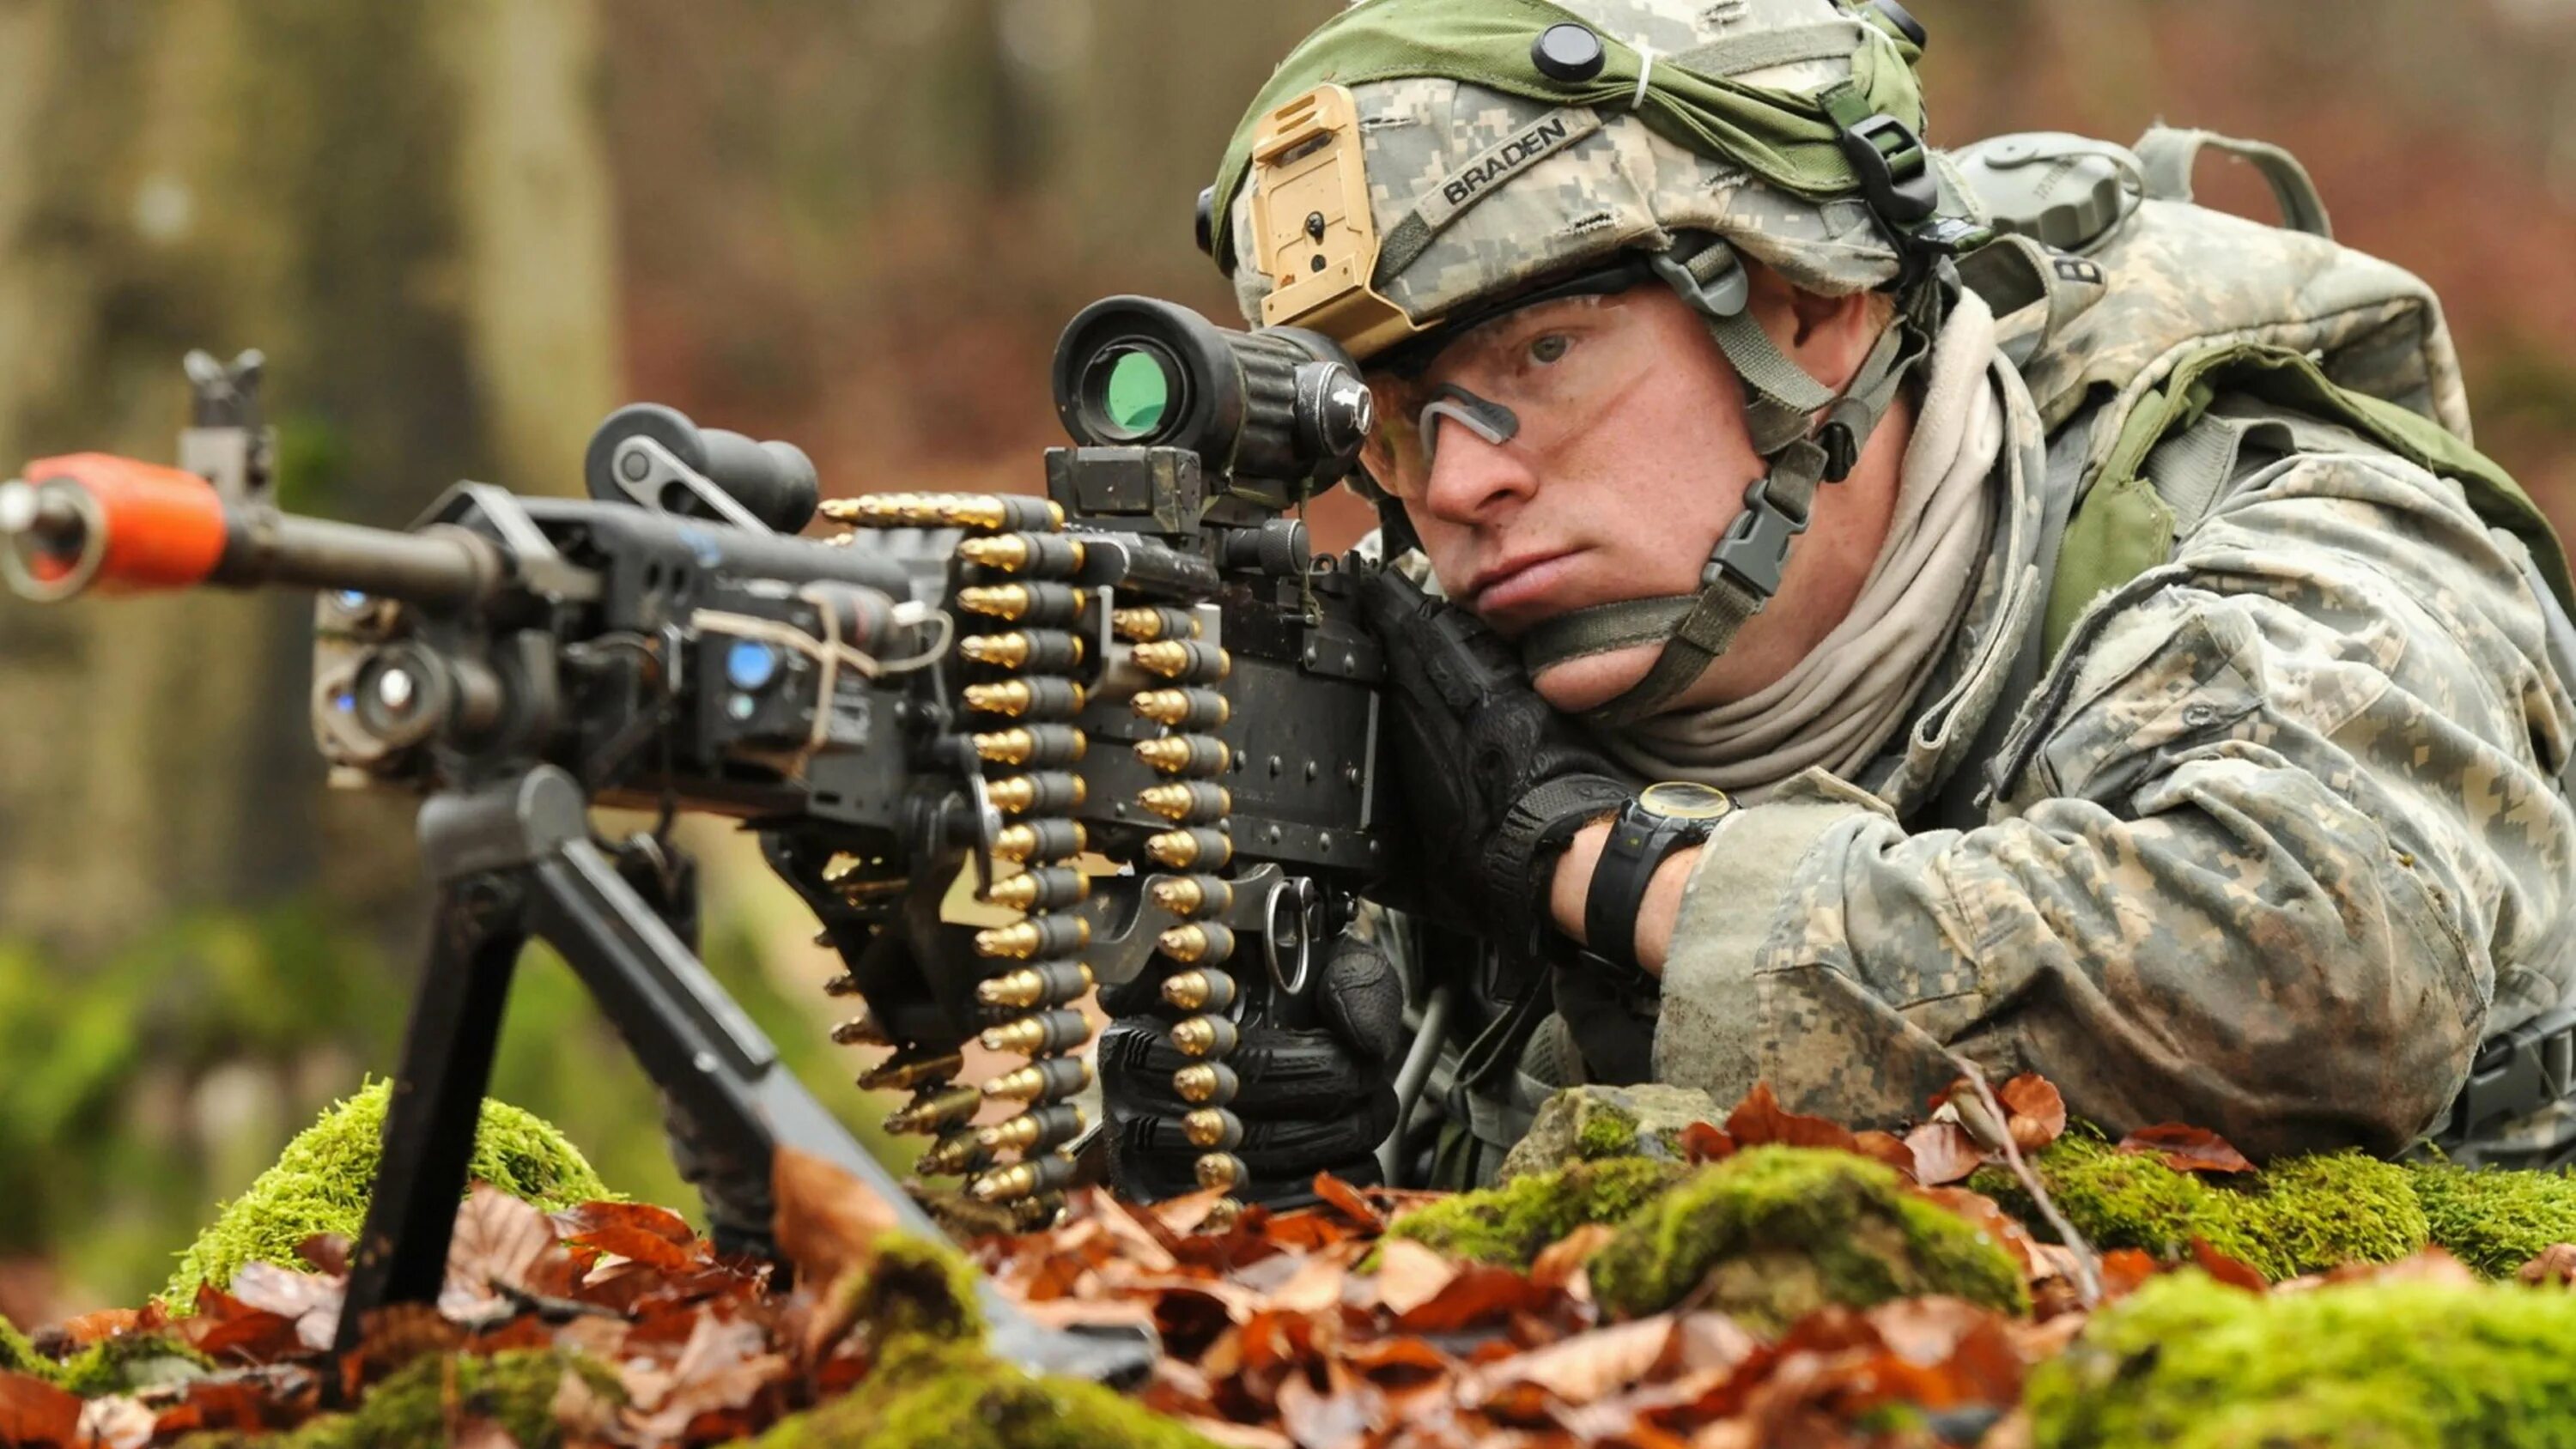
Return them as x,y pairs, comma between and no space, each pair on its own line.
437,1097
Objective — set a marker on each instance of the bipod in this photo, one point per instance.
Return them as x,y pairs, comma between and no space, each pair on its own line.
515,861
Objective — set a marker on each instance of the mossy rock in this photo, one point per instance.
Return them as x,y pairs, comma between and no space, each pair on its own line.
2492,1219
1777,1232
1594,1124
2187,1363
1508,1225
321,1183
914,1289
2298,1215
129,1363
955,1396
412,1407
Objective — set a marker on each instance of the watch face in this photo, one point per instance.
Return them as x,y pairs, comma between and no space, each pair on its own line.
1681,800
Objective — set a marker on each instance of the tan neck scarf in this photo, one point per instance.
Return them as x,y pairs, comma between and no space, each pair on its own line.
1840,705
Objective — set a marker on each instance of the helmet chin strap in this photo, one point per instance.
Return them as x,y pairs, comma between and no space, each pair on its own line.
1805,434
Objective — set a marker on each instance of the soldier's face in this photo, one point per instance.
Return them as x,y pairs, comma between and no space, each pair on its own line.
1629,461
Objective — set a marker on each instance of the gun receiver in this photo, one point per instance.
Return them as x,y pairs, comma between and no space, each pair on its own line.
1008,748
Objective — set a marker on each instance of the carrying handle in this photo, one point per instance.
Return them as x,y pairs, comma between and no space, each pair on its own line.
2169,155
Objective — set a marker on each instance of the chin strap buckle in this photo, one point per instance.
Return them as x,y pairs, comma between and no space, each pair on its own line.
1895,170
1756,548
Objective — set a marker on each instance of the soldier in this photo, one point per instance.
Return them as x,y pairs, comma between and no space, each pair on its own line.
1886,604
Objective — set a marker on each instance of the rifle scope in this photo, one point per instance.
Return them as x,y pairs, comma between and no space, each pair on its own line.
1282,404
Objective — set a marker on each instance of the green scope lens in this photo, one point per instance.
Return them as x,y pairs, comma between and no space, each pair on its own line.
1138,393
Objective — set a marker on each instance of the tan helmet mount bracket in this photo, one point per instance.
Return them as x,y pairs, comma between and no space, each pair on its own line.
1313,230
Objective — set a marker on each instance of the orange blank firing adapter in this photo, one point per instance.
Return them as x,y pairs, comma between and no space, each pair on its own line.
93,520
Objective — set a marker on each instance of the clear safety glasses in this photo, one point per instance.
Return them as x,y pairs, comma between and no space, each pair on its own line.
1534,377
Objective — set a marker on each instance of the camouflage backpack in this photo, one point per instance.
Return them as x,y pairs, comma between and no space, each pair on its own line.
2130,312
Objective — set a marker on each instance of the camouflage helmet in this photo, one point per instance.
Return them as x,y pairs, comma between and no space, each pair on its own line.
1646,120
1415,164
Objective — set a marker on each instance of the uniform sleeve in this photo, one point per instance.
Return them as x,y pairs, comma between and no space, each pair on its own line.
2281,838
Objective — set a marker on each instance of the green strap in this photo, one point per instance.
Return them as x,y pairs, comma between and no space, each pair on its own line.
2168,156
1603,628
1761,50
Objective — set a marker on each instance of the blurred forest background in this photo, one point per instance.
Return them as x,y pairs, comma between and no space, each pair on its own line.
463,230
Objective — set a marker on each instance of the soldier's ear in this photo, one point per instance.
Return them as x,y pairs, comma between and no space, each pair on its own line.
1828,337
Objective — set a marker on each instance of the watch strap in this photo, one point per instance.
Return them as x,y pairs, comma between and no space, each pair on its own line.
1639,844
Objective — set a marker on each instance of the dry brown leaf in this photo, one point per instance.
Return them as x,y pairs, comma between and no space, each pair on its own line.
1559,1262
325,1252
1580,1369
2187,1149
1886,1148
498,1239
1701,1142
2554,1264
1944,1153
89,1328
477,1432
828,1221
1410,1275
1350,1202
2035,1112
37,1415
310,1300
2234,1272
1759,1120
118,1422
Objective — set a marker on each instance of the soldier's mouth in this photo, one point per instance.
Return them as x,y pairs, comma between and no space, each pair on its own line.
1517,590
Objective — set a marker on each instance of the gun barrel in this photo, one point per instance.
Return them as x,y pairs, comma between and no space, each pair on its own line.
91,520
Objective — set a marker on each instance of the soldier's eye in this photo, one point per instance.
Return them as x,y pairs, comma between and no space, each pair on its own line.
1550,347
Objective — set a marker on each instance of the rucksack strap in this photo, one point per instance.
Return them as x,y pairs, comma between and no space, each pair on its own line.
2169,156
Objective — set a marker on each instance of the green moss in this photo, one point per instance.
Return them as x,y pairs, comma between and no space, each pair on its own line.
2187,1363
321,1182
129,1362
1780,1231
955,1396
2299,1215
916,1289
1508,1225
1609,1133
2496,1220
17,1355
411,1408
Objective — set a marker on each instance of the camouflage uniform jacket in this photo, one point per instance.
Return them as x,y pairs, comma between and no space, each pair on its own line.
2270,847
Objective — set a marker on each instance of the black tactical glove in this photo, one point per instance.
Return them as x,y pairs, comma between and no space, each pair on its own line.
1494,780
1316,1099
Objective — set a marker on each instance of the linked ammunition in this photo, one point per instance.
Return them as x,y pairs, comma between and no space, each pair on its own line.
1042,698
1145,626
1184,709
862,1029
1198,943
1195,755
1026,1179
1046,555
1037,747
958,1152
1041,840
1188,802
1039,936
1209,1084
1048,605
1194,895
935,1112
1035,1130
1185,660
1043,794
1045,650
1046,1031
882,510
903,1072
1221,1170
844,984
1196,849
1200,990
1049,983
1043,1080
1037,1214
1047,889
1213,1128
998,512
1206,1036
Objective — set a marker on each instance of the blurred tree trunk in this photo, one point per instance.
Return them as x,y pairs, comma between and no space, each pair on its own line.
326,182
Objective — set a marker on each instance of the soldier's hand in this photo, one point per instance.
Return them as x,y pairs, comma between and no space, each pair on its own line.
1494,781
1311,1100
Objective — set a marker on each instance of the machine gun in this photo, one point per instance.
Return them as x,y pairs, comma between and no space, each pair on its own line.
1007,747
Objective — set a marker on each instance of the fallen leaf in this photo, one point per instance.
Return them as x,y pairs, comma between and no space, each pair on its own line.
2554,1265
1316,1419
326,1252
498,1240
2125,1270
1885,1147
2035,1114
228,1330
478,1432
1479,1293
2000,1227
1701,1142
828,1221
1410,1275
117,1422
89,1328
35,1414
1580,1369
1560,1261
2187,1149
1759,1120
2233,1272
1944,1153
1349,1201
310,1300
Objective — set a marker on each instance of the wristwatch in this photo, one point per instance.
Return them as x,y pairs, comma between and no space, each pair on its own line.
1664,818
